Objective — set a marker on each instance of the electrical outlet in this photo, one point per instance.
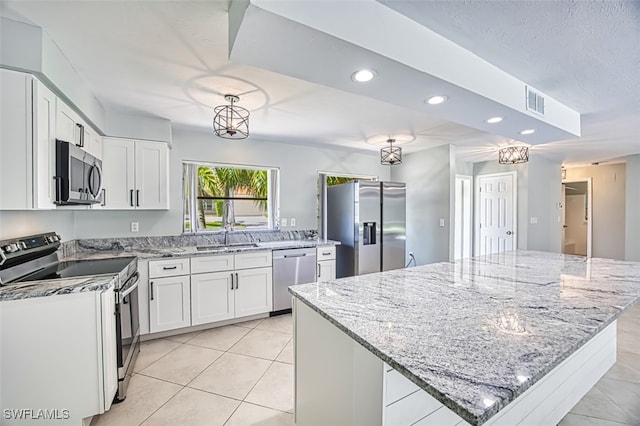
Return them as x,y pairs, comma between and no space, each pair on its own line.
135,227
283,222
442,222
533,220
293,222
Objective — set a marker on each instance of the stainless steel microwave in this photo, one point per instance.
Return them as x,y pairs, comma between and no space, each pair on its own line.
78,175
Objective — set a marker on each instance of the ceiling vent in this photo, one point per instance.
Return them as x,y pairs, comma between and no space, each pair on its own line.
534,101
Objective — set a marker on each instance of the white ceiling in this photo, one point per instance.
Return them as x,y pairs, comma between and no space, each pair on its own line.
170,59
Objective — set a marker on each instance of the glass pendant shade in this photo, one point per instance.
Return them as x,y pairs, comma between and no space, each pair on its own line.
231,121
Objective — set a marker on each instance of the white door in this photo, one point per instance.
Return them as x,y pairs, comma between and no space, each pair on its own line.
170,303
496,208
253,293
212,297
152,168
326,270
118,172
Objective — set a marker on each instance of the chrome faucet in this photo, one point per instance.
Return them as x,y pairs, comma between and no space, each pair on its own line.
228,221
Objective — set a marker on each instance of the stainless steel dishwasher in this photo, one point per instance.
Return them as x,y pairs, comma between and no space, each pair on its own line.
291,267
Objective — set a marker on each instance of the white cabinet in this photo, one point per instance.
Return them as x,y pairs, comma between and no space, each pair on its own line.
254,291
212,297
136,174
71,128
326,264
27,142
109,347
170,303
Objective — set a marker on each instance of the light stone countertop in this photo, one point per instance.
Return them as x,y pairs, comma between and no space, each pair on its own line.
58,286
477,333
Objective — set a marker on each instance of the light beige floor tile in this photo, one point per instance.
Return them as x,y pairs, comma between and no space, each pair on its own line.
249,414
221,338
596,404
184,337
275,388
231,375
261,343
626,395
287,353
629,341
578,420
194,408
280,323
182,364
153,350
627,367
250,324
144,396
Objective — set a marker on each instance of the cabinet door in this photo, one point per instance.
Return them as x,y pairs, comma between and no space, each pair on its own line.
118,171
169,303
109,347
326,270
66,120
212,297
44,146
253,291
152,175
92,142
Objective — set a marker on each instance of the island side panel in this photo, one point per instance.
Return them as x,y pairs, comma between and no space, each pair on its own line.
337,381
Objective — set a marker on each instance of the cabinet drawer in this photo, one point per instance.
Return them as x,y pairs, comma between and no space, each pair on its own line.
168,268
397,387
326,253
255,259
211,264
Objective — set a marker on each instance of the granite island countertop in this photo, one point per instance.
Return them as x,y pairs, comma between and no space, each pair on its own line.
477,333
57,286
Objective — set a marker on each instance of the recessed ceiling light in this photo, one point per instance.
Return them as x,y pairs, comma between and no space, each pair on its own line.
528,132
362,76
494,120
435,100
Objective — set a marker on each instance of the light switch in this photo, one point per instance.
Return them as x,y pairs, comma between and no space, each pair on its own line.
442,222
283,221
293,222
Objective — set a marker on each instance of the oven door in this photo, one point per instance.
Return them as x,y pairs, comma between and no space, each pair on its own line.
127,333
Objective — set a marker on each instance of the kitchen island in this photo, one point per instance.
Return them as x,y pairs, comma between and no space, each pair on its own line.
512,338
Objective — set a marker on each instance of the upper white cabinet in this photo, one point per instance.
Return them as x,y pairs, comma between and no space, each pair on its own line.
71,128
136,174
27,142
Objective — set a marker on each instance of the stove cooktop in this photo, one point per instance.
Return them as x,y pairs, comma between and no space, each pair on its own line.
77,268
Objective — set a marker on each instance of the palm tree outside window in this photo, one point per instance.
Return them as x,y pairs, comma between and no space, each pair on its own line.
229,197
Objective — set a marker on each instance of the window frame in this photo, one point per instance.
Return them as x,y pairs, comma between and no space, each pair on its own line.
190,198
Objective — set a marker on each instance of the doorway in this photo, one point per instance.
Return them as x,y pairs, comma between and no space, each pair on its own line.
576,214
496,213
463,217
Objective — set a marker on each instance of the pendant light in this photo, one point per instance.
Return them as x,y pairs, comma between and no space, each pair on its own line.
513,155
231,121
391,155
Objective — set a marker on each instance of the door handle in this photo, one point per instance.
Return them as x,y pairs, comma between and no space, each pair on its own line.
137,198
151,284
319,270
509,232
131,197
231,281
237,281
168,268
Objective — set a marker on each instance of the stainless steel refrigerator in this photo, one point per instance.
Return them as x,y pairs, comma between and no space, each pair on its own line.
368,218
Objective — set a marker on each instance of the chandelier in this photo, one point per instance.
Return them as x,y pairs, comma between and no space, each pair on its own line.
231,121
391,155
513,155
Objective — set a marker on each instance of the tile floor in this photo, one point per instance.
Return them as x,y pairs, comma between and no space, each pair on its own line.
242,374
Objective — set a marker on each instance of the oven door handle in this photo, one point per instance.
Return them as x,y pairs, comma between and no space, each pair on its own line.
132,287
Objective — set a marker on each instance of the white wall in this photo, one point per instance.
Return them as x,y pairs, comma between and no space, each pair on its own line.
609,192
632,216
429,192
544,193
298,164
15,224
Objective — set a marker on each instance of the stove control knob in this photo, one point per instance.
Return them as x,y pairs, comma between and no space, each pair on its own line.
11,248
22,246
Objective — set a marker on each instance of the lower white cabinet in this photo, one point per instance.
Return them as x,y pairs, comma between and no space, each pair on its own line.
254,291
326,264
169,302
212,297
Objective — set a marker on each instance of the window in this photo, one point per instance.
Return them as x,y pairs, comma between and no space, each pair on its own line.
229,197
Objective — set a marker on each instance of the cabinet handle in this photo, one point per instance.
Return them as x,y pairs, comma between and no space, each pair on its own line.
137,198
168,268
319,270
104,197
151,283
237,281
232,281
80,128
326,253
131,197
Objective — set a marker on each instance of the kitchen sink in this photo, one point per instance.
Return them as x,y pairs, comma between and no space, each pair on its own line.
217,248
242,245
211,248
